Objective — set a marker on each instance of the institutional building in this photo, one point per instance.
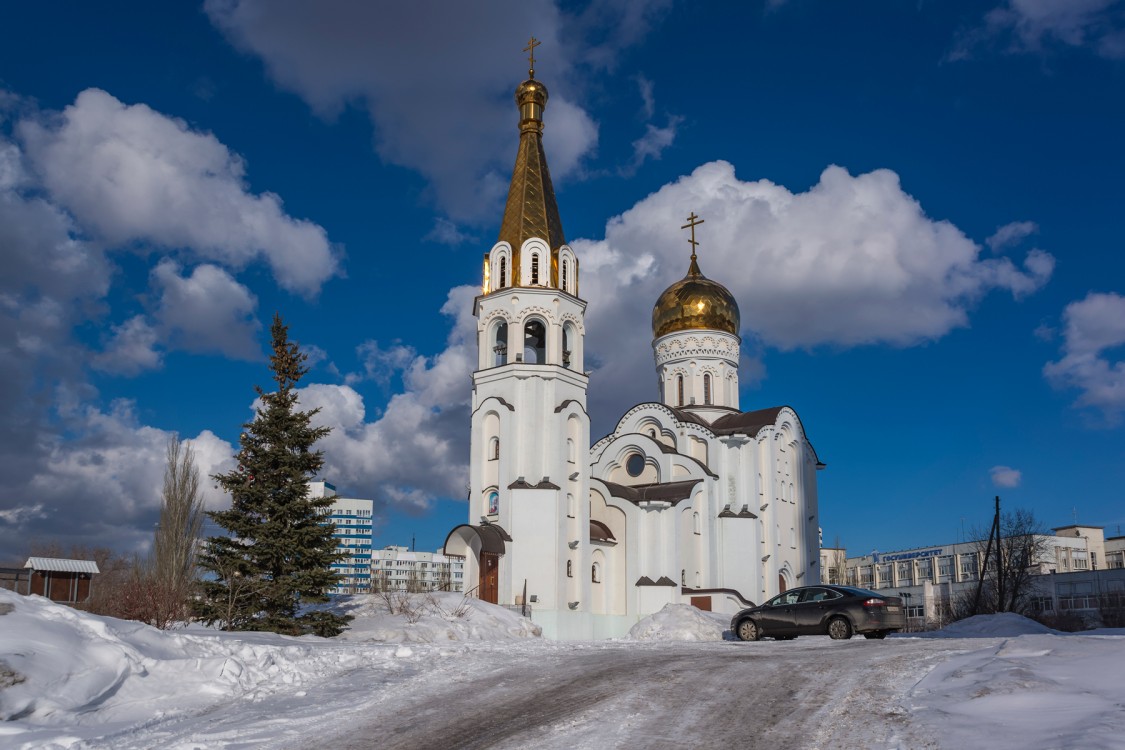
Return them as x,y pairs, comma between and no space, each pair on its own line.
1073,569
689,499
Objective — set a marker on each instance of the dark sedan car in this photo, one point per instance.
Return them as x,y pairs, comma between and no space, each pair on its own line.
838,611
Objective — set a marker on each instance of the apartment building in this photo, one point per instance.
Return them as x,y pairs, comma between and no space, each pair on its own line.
395,568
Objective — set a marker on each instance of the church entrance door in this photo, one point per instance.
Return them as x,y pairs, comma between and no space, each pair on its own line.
489,577
781,583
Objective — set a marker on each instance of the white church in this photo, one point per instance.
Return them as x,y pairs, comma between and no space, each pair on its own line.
689,500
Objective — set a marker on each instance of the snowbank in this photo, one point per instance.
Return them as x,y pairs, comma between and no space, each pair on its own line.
430,618
67,676
69,666
679,622
1033,691
1002,625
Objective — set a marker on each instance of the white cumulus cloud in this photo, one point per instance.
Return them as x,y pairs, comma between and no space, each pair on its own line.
853,260
130,174
206,310
1005,476
1092,361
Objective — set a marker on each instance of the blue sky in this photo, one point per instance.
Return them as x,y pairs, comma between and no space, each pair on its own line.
917,205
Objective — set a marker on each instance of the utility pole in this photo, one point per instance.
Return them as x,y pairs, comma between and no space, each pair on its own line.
994,532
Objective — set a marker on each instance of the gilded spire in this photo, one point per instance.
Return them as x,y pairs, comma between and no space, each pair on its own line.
531,210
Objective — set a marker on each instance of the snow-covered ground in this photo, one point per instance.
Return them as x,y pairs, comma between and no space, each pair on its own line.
72,680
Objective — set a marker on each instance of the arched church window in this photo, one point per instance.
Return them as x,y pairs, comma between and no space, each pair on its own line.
493,503
494,449
679,390
571,451
500,343
535,268
707,388
570,569
565,268
695,523
596,573
571,506
503,273
535,342
683,577
566,345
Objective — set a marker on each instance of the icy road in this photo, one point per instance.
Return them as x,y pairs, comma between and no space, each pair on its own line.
808,693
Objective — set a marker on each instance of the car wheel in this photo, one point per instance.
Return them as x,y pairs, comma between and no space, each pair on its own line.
748,630
877,635
839,629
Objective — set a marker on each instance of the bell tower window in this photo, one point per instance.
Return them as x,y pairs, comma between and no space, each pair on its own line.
500,344
503,273
565,268
679,390
707,388
535,342
535,268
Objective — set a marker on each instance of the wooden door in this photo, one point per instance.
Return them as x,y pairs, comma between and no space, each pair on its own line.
489,577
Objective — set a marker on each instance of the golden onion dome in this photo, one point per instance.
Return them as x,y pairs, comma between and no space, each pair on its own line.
695,302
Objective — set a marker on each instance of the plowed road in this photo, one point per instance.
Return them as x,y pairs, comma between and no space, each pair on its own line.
808,693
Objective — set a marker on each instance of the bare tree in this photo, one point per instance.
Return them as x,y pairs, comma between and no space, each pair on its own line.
1010,556
160,588
176,545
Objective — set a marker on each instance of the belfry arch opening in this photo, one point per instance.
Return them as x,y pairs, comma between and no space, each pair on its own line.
535,342
500,344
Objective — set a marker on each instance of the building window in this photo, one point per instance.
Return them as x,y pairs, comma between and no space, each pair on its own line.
707,388
679,390
635,465
683,577
596,573
503,272
571,451
535,342
565,267
500,345
535,268
569,569
695,523
494,449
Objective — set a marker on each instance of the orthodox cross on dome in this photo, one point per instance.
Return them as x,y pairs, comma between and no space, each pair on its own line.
530,50
693,222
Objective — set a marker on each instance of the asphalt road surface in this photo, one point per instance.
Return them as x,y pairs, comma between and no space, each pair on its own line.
808,693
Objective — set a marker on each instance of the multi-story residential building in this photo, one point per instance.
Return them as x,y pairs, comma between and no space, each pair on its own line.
352,518
396,568
1074,568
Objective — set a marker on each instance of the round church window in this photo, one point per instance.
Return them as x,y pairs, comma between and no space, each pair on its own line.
635,464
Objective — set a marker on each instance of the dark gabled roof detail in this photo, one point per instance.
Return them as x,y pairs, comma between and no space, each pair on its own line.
665,581
644,581
492,537
599,532
522,484
732,592
562,406
668,492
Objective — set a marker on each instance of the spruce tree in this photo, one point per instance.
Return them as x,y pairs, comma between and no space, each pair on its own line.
278,552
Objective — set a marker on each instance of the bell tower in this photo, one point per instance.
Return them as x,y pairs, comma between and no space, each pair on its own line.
530,445
695,342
